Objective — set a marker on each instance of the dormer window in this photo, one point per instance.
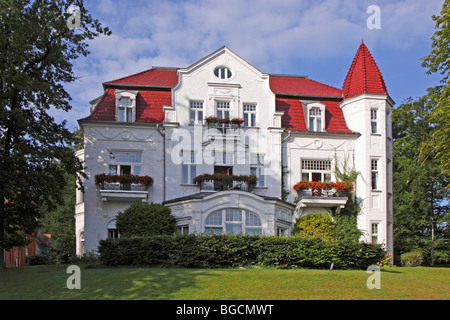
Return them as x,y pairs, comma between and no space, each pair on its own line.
125,106
125,110
222,73
316,117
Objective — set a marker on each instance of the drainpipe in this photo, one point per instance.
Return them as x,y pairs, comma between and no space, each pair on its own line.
162,132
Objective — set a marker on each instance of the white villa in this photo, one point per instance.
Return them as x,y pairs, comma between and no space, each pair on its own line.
150,134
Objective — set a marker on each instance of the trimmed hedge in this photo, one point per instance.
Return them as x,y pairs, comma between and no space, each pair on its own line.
222,251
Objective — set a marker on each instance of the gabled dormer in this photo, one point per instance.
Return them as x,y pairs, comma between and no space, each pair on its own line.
314,113
125,105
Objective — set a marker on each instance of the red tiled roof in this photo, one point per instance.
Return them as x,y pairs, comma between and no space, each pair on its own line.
149,106
363,75
105,109
301,86
156,77
294,119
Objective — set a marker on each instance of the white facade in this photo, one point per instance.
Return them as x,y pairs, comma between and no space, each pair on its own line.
182,146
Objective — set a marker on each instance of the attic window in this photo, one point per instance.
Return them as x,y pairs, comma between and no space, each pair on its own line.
316,118
125,106
222,73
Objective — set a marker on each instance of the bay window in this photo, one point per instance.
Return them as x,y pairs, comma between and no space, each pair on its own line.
233,221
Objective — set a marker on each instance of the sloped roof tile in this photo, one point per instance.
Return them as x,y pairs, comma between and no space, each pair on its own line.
363,75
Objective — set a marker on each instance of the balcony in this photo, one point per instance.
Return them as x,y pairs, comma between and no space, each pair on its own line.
123,187
224,128
319,194
224,182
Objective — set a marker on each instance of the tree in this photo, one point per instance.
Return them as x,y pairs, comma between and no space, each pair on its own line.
36,52
145,219
315,225
419,186
60,223
346,219
439,61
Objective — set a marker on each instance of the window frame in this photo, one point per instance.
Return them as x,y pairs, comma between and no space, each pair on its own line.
257,168
223,73
129,110
188,167
196,112
374,231
374,121
309,167
249,115
224,108
121,163
314,119
375,180
226,219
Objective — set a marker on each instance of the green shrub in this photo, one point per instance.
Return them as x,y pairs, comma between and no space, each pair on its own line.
223,251
315,225
412,259
145,219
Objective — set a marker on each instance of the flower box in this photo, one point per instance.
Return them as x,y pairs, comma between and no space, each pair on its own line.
317,186
123,179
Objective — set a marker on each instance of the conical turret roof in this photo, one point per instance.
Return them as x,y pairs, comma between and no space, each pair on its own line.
363,75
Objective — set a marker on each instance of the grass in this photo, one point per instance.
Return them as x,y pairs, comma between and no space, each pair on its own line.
49,283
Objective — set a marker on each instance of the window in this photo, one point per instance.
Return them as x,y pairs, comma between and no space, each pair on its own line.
121,163
125,105
223,158
233,221
374,232
249,115
315,119
112,231
373,118
184,229
316,170
223,109
282,232
188,167
374,165
257,168
125,110
196,113
222,73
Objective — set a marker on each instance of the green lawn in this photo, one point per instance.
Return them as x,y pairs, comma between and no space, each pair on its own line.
49,282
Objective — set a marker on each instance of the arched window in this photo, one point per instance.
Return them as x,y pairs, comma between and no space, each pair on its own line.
233,221
112,231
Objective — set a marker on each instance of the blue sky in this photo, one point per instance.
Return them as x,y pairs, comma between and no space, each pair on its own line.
314,38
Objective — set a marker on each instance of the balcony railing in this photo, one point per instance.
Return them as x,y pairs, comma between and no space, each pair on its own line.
223,182
123,187
224,186
323,194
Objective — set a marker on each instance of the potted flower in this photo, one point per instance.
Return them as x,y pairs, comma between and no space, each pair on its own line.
225,120
238,121
212,119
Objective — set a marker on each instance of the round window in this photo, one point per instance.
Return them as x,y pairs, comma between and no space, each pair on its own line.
222,73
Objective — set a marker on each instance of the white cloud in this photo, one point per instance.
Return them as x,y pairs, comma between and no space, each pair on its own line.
268,34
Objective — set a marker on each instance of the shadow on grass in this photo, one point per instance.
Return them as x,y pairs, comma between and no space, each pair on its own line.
135,283
124,283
